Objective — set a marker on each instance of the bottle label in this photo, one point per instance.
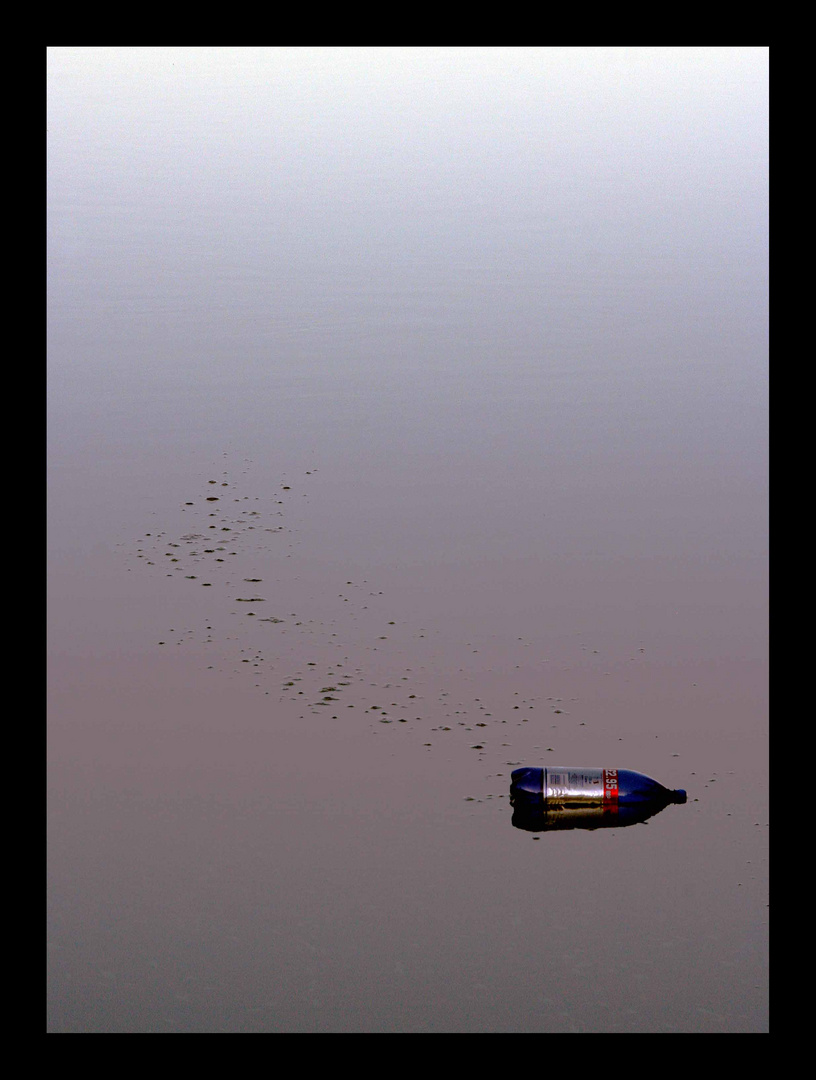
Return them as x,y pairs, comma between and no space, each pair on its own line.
610,799
581,788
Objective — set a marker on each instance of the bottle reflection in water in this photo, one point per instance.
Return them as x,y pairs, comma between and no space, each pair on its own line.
573,798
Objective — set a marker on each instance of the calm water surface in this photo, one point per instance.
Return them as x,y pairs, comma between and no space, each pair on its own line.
407,423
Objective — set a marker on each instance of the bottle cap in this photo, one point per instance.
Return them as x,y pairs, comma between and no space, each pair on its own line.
679,795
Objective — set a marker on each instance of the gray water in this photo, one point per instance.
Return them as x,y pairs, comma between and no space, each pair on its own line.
470,347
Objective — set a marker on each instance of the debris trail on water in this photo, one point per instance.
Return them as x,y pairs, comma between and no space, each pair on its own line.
344,655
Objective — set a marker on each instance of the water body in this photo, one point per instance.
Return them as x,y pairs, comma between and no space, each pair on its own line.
407,424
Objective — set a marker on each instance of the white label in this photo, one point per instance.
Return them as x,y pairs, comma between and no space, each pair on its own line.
574,785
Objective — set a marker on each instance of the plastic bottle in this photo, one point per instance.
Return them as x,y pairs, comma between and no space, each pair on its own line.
585,798
609,788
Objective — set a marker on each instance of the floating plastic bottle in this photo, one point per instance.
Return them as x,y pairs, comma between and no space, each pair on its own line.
573,798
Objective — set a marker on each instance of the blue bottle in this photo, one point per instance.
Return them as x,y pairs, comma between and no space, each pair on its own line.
585,798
